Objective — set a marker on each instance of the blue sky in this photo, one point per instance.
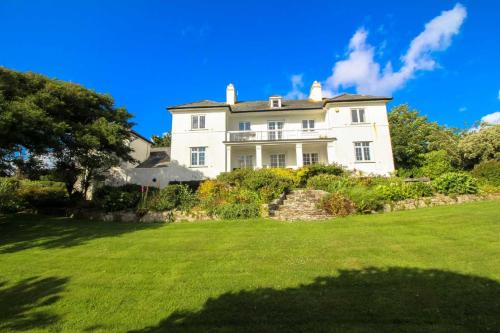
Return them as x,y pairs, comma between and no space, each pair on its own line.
151,54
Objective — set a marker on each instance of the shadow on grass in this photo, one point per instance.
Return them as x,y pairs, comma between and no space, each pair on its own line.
21,305
369,300
21,232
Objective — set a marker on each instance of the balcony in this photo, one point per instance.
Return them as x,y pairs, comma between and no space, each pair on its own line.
277,135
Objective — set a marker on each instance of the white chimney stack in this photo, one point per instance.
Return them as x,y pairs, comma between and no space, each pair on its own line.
230,94
316,95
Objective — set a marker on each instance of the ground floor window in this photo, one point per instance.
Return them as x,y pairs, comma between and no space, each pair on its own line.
362,151
245,161
277,160
198,156
310,158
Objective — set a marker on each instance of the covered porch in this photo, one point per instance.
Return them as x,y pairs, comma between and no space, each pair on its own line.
291,155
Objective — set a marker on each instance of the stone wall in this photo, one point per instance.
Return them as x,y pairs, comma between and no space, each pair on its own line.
438,200
149,217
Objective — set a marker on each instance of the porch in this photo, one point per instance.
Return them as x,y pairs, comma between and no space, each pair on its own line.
278,155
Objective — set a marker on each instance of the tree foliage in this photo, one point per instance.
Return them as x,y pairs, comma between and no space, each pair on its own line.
83,130
162,141
413,135
480,146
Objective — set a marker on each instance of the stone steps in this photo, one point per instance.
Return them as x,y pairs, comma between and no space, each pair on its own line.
301,205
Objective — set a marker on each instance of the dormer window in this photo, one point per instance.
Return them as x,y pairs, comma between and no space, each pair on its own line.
275,102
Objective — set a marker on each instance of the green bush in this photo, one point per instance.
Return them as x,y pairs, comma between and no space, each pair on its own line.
267,184
488,171
420,189
329,169
115,198
172,197
43,194
337,204
397,190
434,164
456,183
330,183
235,177
366,200
232,211
9,201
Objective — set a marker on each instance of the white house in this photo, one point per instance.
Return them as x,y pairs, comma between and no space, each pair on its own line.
352,130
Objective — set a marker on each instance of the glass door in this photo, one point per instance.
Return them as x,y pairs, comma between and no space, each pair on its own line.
275,129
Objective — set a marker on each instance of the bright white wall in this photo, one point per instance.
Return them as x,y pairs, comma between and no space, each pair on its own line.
375,130
292,119
212,137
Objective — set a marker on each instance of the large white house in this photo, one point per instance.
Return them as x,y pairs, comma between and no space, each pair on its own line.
212,137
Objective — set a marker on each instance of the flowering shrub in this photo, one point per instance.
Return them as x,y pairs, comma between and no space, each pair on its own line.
337,204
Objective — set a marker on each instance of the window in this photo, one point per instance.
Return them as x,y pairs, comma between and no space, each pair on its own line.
277,160
358,115
362,151
198,156
275,130
244,126
308,125
245,161
275,101
198,122
310,158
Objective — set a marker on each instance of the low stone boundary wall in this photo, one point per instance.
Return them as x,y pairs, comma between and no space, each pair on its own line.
438,200
149,217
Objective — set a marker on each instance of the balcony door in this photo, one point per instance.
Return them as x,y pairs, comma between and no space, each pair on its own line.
275,129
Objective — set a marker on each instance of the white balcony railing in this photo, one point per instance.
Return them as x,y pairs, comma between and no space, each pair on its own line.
276,135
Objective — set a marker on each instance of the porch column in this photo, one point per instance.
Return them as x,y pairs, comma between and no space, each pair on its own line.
258,156
298,153
228,158
330,152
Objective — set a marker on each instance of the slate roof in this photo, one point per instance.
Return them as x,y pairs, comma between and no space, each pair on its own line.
157,159
286,104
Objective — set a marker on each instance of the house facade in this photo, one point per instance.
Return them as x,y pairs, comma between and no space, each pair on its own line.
352,130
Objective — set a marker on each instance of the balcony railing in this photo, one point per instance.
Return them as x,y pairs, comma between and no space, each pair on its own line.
276,135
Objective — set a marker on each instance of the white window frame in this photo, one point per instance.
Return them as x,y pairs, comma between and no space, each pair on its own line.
198,152
276,133
280,160
245,161
275,99
358,114
308,125
244,123
363,151
308,158
198,118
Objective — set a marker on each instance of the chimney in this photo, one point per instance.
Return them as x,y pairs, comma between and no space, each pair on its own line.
316,95
230,94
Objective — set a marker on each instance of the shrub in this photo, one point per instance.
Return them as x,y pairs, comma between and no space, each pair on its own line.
243,195
488,171
213,193
43,194
9,201
420,189
337,204
394,191
237,211
330,183
456,183
330,169
434,164
294,176
111,198
365,199
267,184
172,197
235,177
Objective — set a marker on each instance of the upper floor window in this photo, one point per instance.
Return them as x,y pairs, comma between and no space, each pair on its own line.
198,121
198,156
308,125
244,126
358,115
275,101
362,151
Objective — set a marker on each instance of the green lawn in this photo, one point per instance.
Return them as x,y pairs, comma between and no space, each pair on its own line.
429,270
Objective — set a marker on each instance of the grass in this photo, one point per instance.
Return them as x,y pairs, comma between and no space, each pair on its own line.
428,270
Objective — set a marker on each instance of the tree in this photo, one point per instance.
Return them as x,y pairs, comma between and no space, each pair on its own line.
481,145
82,129
413,135
162,141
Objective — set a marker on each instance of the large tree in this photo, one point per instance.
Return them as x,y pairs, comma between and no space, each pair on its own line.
480,145
413,135
162,141
82,129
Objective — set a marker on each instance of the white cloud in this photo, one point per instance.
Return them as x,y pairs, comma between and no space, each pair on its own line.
498,94
462,109
360,70
297,85
492,118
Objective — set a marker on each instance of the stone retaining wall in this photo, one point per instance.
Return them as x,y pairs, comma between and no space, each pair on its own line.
149,217
438,200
